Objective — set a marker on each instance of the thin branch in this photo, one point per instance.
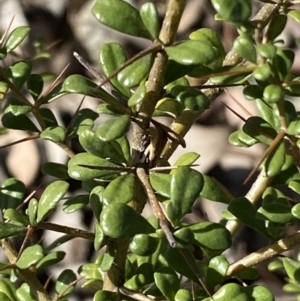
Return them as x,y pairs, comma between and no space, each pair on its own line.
264,253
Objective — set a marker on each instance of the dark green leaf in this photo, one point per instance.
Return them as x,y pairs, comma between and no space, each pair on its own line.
241,139
216,271
275,161
21,122
50,197
55,170
120,190
276,26
161,183
31,255
262,73
267,50
137,96
56,134
11,193
121,16
19,72
168,107
48,117
277,213
244,47
99,237
15,216
96,196
62,284
51,259
18,107
35,85
114,128
121,221
105,296
273,93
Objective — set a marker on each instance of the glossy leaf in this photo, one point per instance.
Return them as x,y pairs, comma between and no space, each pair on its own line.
186,184
143,244
99,237
18,107
35,85
62,284
236,12
11,193
56,134
292,268
184,237
275,161
137,96
246,213
188,158
51,259
273,93
121,221
183,295
167,281
191,98
48,117
50,197
76,203
192,52
78,167
113,56
216,271
262,73
136,72
241,139
95,146
267,113
267,50
150,18
296,211
121,16
32,211
9,230
106,295
211,236
295,14
24,293
277,213
120,190
213,191
19,72
55,170
31,255
8,290
283,62
114,128
244,47
168,107
16,37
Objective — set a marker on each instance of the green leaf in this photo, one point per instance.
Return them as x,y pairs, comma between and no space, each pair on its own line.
183,295
18,107
99,237
85,167
168,107
16,37
24,293
275,161
294,127
192,98
96,201
11,193
207,35
19,72
32,211
262,72
14,215
244,47
186,184
295,14
283,62
246,213
267,50
35,85
161,183
192,52
267,113
113,56
120,190
296,211
105,296
211,236
188,158
276,26
137,96
9,230
7,290
21,122
51,259
48,117
31,255
56,134
50,197
241,139
167,281
55,170
214,191
216,271
114,128
76,203
150,18
95,146
236,12
277,213
292,268
81,121
121,16
62,284
273,94
143,245
184,237
136,72
118,220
